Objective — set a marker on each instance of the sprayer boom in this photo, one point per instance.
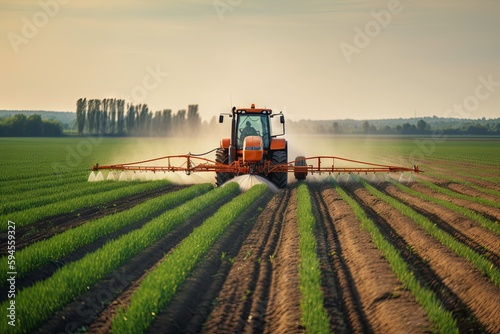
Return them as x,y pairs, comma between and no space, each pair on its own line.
301,166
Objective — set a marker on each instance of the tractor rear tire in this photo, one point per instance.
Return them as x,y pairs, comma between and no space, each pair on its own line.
222,157
280,179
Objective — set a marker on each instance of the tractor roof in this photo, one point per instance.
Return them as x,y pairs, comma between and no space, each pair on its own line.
253,110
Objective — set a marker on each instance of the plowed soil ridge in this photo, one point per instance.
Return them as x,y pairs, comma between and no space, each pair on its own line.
115,289
420,267
472,289
283,310
340,297
470,233
387,307
487,211
189,309
241,303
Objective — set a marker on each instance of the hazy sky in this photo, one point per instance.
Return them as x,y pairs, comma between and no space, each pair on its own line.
311,59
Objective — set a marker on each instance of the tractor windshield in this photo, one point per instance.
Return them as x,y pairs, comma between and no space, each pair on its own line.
253,125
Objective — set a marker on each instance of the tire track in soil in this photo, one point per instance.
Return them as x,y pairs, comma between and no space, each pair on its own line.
109,292
472,297
463,229
283,311
375,299
340,297
241,303
189,309
48,227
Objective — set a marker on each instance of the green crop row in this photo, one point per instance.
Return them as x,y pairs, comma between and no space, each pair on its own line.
483,264
160,285
314,317
424,296
471,214
17,188
467,183
41,253
29,216
455,194
35,199
39,302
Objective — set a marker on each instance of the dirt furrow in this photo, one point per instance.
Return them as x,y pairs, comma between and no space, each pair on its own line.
476,296
376,300
487,211
98,305
482,183
241,303
189,309
469,191
340,298
467,231
283,309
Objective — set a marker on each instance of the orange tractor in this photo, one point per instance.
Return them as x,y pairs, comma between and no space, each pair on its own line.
254,149
253,146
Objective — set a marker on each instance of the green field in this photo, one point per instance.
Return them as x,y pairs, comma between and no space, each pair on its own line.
73,236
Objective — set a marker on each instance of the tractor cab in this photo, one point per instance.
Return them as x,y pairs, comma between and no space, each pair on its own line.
253,144
252,125
253,122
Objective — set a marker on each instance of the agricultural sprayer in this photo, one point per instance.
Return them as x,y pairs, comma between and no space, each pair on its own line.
254,149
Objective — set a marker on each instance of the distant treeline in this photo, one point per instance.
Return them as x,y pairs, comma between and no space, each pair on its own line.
113,117
21,125
426,126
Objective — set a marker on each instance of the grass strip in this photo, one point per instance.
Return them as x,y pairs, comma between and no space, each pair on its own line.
30,216
314,316
160,285
37,303
485,266
41,253
440,317
466,212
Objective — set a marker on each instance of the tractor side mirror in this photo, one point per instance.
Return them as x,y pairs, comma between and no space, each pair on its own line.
282,119
221,118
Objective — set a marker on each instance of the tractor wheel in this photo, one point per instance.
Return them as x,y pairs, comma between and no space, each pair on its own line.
300,161
222,157
280,179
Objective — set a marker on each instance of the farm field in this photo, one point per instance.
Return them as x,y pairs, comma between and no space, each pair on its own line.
340,253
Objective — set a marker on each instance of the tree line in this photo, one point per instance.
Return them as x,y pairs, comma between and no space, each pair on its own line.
29,126
115,117
392,127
